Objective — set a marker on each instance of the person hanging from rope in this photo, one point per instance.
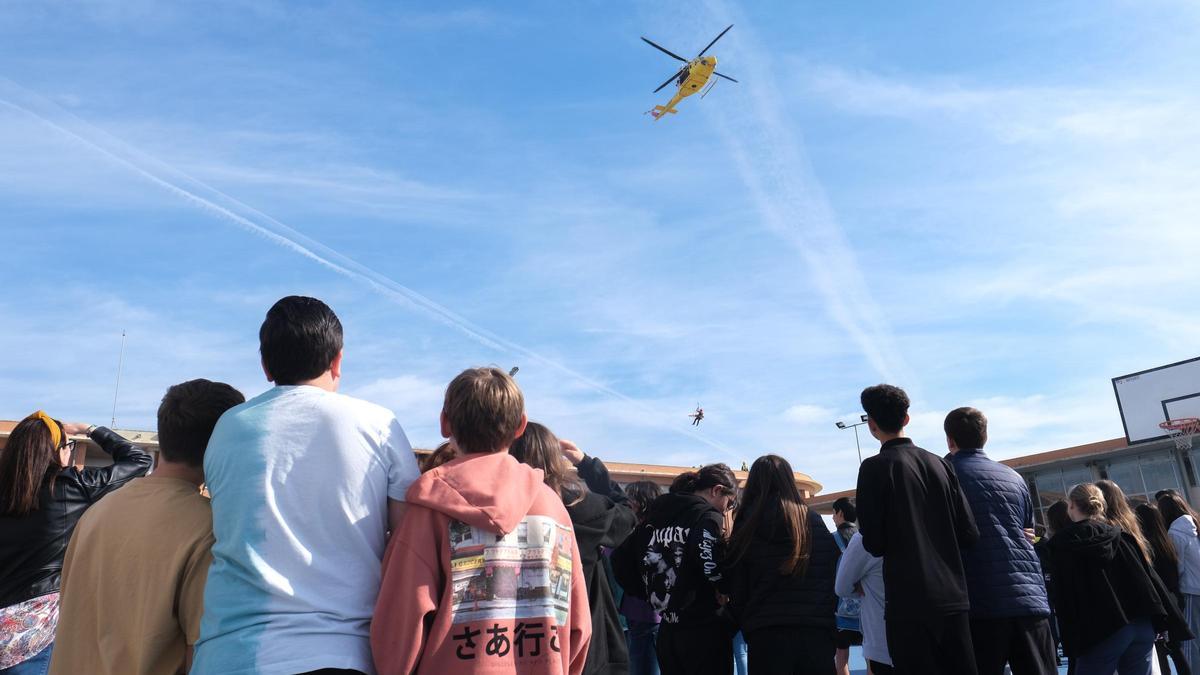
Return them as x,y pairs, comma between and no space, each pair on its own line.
697,416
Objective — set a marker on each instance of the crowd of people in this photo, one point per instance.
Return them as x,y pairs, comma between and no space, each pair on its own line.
294,533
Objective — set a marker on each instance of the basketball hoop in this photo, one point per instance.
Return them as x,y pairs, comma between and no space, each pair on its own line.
1181,431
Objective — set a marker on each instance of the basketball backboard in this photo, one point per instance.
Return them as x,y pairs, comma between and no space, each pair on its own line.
1150,397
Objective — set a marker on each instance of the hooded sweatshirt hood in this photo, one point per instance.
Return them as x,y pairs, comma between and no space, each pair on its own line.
482,575
673,509
466,489
1088,539
1183,536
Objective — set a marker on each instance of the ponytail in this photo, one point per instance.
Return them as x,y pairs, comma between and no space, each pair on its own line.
1089,500
684,483
709,475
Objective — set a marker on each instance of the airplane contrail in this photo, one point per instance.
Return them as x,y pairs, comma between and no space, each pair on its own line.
217,203
770,159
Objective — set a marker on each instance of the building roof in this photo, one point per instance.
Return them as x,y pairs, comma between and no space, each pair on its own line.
622,472
824,503
1086,450
625,472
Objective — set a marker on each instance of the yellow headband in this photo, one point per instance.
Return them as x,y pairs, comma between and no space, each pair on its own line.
55,430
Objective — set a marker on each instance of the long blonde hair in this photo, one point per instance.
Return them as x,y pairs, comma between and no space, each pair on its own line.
1118,513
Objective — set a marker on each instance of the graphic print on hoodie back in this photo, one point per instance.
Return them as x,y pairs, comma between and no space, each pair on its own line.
678,558
661,565
483,575
525,574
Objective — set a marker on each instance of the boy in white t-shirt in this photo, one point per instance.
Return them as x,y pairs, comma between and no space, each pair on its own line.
305,485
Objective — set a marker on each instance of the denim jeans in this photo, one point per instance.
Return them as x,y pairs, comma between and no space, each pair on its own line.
38,665
741,657
643,654
1128,651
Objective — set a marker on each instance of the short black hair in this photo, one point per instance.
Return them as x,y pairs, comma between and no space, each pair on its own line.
299,339
187,415
846,507
967,427
887,405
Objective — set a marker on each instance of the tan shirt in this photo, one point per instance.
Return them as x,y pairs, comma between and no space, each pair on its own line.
133,581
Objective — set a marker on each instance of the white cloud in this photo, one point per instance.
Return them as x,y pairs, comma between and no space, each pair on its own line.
415,400
803,413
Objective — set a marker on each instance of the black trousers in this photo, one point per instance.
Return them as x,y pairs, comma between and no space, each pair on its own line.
931,645
695,650
878,668
791,650
1024,643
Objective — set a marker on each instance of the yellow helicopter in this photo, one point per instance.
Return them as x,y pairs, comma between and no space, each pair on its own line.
690,79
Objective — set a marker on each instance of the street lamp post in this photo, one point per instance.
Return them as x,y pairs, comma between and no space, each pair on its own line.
857,446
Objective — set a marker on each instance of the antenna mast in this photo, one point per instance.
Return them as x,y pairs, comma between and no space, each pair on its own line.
117,388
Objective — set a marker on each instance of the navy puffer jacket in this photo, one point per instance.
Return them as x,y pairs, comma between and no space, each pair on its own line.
1004,575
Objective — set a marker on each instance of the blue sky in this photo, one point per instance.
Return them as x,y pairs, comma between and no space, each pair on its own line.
988,204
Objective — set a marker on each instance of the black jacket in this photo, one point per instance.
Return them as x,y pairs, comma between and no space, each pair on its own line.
1168,571
602,519
1101,583
675,560
763,597
913,514
1042,549
32,546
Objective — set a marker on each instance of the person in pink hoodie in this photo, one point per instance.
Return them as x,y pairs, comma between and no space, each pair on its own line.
483,574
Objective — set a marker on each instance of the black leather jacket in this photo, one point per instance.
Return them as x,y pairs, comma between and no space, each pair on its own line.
32,546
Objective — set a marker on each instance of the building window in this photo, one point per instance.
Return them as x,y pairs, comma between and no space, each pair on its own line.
1189,469
1127,475
1051,485
1141,476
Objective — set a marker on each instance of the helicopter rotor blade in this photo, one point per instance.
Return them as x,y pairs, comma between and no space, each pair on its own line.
669,81
724,76
665,50
713,42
